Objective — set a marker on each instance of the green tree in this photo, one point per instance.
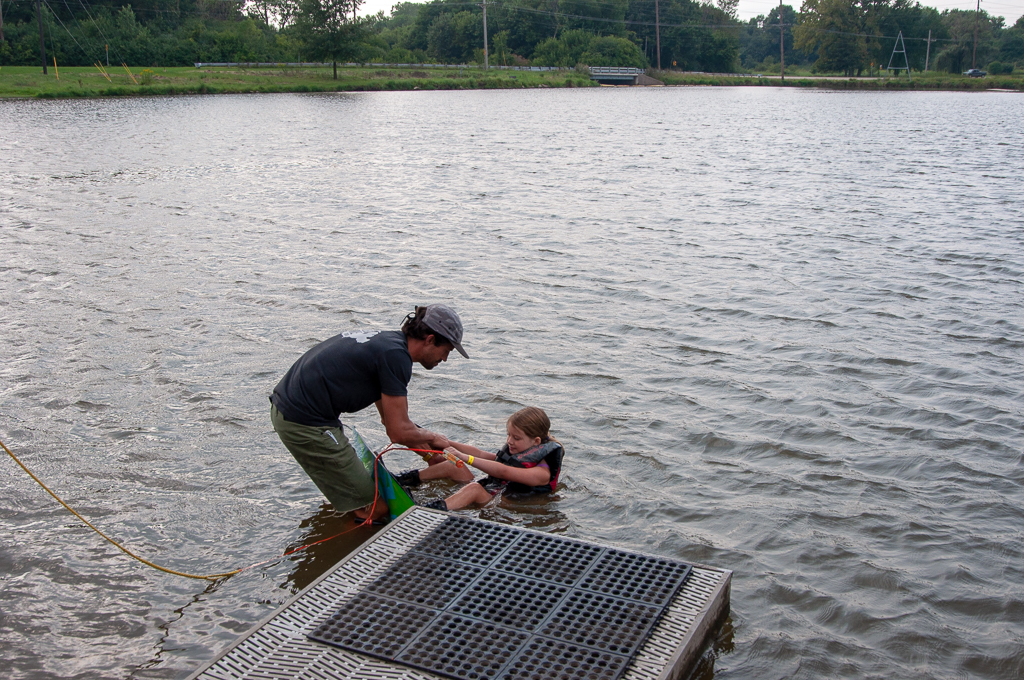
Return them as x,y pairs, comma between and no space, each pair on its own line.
453,38
568,49
612,51
1011,47
277,13
928,20
528,23
759,39
144,34
598,17
835,29
694,37
328,30
417,37
501,53
442,39
729,7
886,19
959,55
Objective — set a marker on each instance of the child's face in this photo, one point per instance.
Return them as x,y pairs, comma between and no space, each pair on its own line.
517,440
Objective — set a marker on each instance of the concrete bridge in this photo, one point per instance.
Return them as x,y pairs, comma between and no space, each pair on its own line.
622,75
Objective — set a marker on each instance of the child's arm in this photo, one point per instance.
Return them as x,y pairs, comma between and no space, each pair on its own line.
535,476
472,450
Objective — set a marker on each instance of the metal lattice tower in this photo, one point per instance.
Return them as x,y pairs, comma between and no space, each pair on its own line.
899,48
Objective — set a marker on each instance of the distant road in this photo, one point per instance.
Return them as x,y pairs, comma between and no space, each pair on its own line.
775,77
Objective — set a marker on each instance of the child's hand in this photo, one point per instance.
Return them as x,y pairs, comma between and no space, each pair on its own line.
449,453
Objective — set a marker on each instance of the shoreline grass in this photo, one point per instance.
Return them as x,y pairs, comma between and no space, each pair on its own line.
21,82
920,81
81,81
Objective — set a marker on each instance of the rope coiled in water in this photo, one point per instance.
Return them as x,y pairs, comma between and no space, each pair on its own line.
126,551
206,577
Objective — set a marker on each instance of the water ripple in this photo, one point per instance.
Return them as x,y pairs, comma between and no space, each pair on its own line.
778,331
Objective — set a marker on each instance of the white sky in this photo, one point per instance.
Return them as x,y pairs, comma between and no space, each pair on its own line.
1009,9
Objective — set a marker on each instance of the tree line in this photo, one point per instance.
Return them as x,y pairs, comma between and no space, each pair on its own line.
829,36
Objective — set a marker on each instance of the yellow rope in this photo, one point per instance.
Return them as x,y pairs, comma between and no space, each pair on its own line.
208,577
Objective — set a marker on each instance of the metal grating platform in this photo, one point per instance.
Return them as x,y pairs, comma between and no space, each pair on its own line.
426,592
601,600
455,607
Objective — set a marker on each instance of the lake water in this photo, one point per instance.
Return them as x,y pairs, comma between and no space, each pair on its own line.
778,331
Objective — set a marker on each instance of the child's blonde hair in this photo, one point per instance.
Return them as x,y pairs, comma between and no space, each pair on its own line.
533,422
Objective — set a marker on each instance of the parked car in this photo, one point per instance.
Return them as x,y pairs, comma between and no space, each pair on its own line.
975,73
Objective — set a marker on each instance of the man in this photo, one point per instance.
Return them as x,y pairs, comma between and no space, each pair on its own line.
345,374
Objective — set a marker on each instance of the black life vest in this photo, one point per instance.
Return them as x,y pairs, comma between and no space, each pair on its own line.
549,452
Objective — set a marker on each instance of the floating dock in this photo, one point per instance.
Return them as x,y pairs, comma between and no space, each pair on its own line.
436,595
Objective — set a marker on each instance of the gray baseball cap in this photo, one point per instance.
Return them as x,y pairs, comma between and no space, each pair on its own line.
446,323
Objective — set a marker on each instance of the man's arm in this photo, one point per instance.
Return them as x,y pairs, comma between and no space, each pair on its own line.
394,415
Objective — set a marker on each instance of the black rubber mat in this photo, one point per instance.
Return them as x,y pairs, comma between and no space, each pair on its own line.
505,599
651,580
374,625
425,580
549,558
465,540
479,601
461,647
543,659
601,622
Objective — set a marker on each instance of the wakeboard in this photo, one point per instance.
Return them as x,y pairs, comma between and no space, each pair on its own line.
390,490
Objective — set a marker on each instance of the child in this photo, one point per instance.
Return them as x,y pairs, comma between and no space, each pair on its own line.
528,463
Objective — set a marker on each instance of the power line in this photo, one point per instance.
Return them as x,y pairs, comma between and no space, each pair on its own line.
96,23
84,53
513,7
765,26
81,28
709,26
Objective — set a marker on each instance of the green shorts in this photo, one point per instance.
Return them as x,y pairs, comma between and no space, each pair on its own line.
326,455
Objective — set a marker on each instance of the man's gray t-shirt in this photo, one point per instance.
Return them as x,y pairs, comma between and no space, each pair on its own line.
344,374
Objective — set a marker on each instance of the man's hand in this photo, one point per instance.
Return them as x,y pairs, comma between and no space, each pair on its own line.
394,414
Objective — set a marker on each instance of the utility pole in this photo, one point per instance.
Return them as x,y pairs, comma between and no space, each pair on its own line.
657,31
42,45
928,51
977,18
782,45
487,63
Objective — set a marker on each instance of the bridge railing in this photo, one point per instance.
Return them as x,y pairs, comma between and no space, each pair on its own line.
616,71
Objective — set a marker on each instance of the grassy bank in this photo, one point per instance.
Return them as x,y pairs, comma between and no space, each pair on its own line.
29,81
920,81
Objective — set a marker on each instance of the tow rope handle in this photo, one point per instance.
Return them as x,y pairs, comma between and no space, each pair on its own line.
451,458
